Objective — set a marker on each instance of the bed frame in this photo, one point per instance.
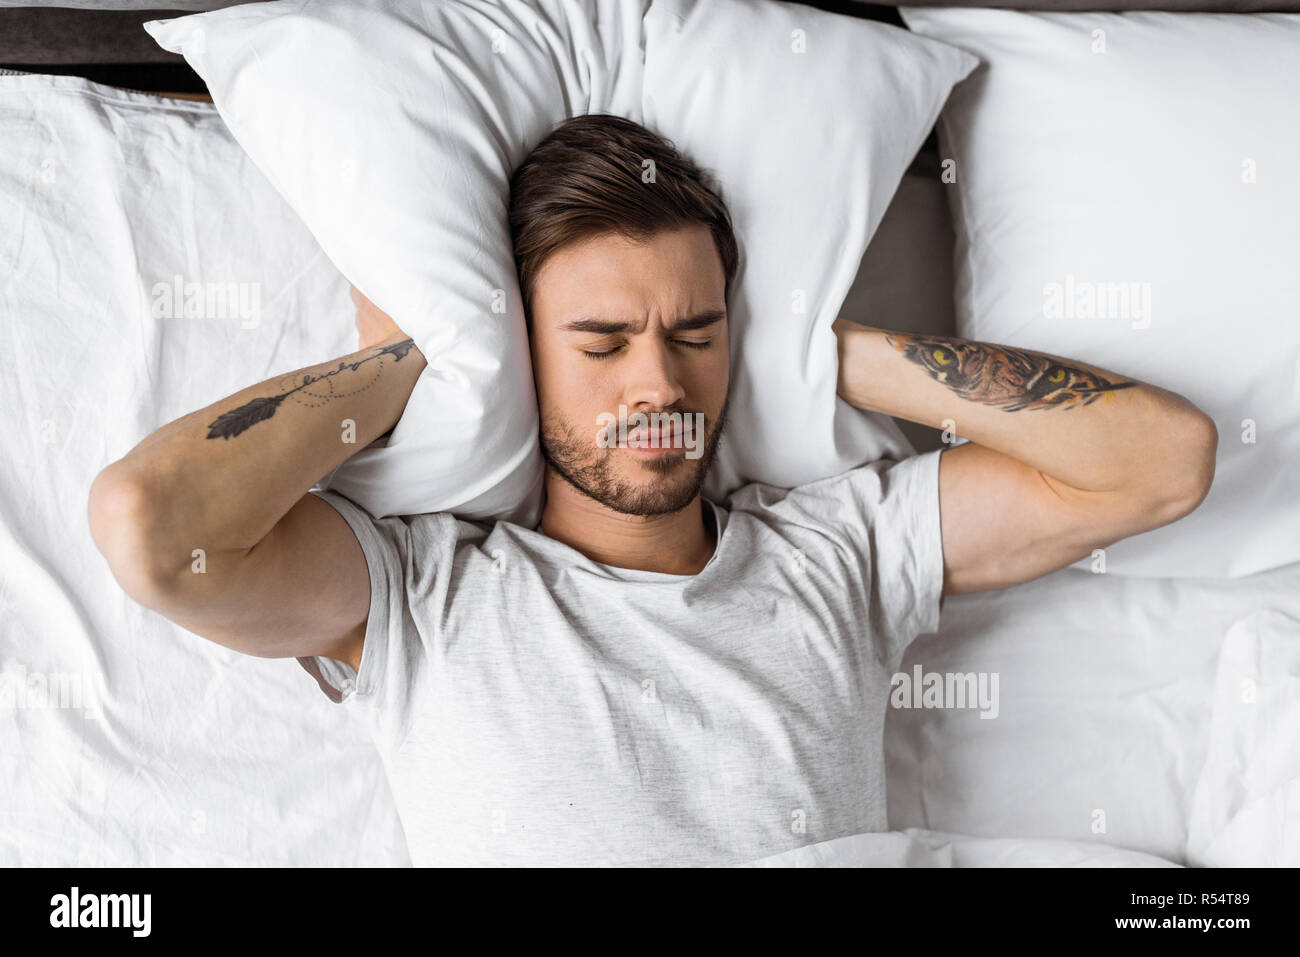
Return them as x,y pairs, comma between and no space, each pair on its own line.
109,46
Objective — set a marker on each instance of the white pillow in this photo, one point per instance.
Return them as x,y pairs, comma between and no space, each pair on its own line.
1159,150
392,128
811,120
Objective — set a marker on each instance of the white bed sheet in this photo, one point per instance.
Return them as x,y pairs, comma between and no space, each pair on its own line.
192,754
180,752
1107,696
917,847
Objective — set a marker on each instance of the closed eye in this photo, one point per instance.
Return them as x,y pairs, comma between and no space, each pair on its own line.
688,343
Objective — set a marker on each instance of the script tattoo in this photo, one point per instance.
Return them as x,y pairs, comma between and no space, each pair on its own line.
1011,379
229,424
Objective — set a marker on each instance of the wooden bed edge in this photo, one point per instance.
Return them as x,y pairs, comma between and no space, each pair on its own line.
200,97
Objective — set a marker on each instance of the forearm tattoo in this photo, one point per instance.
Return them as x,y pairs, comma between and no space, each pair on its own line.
229,424
1011,379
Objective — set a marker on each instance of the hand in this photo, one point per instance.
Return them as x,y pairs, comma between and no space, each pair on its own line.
374,326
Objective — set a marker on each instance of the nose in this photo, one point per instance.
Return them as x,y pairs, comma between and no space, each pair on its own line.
653,383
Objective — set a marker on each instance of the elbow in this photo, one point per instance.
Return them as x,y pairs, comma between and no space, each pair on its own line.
121,517
1197,451
111,508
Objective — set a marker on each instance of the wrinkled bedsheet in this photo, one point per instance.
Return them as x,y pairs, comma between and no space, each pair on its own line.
1121,735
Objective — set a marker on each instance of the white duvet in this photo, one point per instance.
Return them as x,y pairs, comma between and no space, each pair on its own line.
125,740
917,847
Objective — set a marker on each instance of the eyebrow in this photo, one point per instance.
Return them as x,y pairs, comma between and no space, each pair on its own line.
604,326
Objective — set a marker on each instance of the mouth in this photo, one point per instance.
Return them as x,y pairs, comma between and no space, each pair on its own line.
651,442
652,435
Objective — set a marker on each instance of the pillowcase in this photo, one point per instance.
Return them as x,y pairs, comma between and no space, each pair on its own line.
392,129
810,119
1126,194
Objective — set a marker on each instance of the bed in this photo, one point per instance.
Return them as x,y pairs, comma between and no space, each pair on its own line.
1120,739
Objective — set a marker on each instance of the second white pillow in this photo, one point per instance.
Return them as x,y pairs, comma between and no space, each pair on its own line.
1126,194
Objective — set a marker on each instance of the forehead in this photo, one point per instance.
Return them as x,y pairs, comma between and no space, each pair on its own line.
675,272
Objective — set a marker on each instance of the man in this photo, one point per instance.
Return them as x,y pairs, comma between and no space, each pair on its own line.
647,677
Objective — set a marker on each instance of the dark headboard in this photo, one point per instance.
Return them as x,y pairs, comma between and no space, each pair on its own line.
107,46
111,46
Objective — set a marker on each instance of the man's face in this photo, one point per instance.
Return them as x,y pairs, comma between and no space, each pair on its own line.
642,326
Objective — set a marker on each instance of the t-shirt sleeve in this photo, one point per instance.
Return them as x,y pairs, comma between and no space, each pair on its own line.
390,652
884,519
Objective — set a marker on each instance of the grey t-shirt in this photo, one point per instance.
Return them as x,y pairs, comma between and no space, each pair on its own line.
533,707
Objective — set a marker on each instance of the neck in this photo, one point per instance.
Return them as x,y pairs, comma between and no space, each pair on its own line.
679,543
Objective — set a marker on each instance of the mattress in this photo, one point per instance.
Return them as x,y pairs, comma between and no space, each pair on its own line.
1120,736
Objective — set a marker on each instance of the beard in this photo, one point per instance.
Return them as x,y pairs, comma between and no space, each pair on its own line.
592,470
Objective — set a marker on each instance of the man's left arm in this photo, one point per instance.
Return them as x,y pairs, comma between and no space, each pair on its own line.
1062,458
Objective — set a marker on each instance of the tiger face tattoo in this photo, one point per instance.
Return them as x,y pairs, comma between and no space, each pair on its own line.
1011,379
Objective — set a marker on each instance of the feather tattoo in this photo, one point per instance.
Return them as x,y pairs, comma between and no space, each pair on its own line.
239,420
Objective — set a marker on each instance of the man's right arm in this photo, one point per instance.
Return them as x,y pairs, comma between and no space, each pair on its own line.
280,573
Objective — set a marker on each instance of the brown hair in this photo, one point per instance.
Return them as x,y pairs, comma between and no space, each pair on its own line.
585,178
